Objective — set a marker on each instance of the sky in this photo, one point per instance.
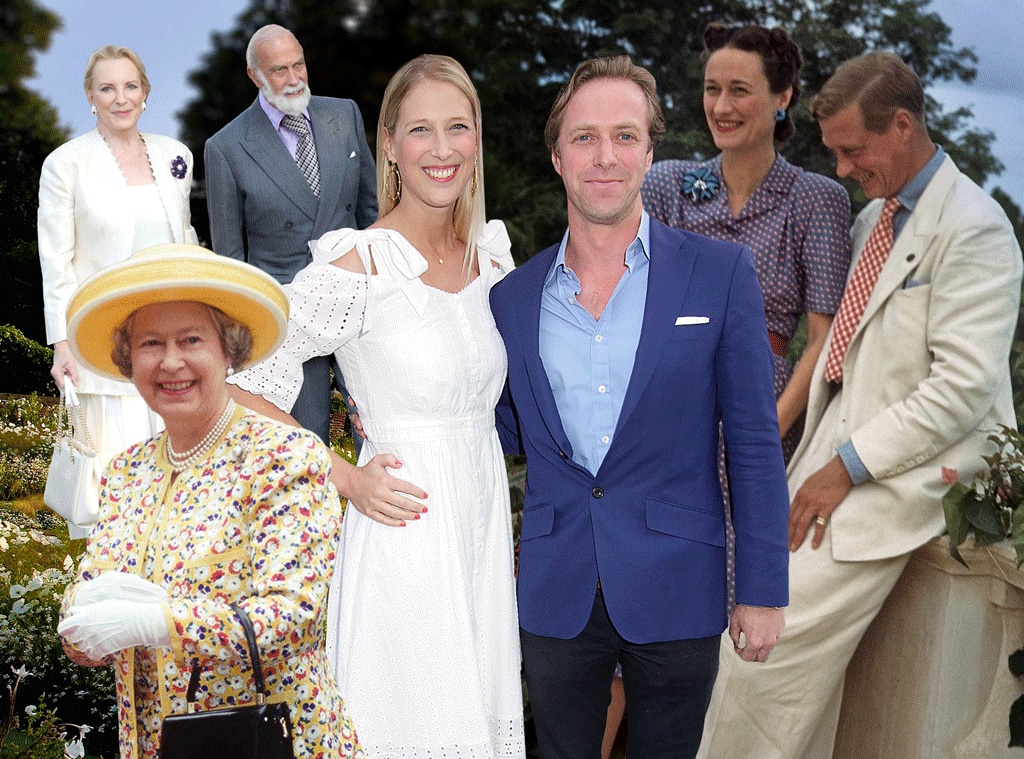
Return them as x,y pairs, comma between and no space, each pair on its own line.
170,36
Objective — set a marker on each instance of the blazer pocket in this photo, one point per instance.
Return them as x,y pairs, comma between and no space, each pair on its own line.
537,522
683,522
687,331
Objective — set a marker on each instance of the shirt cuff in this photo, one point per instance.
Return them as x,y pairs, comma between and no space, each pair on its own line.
854,466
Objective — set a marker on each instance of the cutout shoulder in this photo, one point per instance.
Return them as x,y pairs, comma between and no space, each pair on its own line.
352,262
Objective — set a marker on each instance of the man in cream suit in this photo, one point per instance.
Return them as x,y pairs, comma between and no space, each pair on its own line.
269,194
916,383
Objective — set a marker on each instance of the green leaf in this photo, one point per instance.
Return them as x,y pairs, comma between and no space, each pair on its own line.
956,555
983,517
1017,723
986,538
953,506
1017,534
1016,663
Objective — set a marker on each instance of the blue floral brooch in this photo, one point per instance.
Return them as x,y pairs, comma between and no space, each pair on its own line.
178,168
700,184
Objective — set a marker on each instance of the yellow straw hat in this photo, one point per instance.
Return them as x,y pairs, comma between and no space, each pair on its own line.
173,272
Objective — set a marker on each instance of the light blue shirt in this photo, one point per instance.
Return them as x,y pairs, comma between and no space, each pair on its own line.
589,362
908,196
276,116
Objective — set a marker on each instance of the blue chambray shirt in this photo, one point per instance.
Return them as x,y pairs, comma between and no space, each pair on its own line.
589,362
908,196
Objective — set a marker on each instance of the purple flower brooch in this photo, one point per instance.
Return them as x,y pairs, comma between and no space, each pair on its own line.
178,168
700,184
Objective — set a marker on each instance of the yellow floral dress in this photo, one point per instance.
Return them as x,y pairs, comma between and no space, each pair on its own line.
257,523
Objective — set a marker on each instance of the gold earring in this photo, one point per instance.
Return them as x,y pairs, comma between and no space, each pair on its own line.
393,172
472,187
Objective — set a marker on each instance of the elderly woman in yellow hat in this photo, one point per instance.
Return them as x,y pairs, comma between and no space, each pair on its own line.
223,507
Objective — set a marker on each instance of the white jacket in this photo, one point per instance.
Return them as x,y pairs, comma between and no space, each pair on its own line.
85,223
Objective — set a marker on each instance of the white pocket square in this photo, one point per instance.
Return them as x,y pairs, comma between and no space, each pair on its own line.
684,320
352,154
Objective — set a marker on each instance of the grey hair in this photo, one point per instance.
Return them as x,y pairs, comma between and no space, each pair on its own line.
235,340
263,34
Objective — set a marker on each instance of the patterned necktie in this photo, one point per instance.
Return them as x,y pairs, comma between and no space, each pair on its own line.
305,153
858,291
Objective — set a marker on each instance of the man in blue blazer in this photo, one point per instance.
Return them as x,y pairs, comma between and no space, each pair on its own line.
263,208
629,344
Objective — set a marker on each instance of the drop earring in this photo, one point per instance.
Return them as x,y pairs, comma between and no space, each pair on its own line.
93,109
393,175
143,105
780,114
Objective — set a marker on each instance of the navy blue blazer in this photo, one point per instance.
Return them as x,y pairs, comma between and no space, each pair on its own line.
651,523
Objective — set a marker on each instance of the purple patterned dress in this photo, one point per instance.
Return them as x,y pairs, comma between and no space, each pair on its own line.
796,223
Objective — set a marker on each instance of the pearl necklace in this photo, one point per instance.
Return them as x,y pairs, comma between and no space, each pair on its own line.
182,461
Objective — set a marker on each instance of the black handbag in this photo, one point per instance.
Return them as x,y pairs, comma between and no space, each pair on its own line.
259,731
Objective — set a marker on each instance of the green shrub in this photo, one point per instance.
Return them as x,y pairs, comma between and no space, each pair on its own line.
36,564
24,364
27,428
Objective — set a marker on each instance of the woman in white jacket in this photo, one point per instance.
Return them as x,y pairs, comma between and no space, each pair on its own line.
103,196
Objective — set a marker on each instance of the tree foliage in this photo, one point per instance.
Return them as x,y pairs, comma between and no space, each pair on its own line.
30,133
520,51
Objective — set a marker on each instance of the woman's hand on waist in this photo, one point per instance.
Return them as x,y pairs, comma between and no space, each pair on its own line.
375,492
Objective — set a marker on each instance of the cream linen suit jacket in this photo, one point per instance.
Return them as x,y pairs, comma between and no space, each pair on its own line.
85,223
926,377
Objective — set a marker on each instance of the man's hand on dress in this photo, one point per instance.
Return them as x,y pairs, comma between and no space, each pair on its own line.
354,420
759,626
378,494
815,501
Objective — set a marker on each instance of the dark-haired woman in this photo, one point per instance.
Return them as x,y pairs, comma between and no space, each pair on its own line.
795,222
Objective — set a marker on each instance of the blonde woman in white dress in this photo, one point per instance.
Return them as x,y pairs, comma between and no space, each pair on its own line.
103,196
422,626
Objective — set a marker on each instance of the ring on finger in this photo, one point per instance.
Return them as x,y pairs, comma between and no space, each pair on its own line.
820,520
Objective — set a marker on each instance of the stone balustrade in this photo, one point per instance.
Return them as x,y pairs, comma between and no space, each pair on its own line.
930,678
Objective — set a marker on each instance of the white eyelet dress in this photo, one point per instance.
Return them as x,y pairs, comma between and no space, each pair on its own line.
422,626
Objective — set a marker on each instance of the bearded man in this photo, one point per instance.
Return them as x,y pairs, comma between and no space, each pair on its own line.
284,171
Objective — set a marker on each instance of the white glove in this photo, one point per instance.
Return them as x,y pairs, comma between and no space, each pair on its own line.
105,627
121,586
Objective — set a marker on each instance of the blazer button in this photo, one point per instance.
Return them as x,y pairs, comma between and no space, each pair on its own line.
597,492
348,207
288,225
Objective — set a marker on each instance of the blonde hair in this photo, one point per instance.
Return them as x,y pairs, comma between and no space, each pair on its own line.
468,214
613,67
110,53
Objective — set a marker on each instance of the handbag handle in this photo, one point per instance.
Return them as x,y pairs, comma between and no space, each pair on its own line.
70,405
254,657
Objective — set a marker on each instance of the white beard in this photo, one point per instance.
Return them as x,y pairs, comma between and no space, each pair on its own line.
289,105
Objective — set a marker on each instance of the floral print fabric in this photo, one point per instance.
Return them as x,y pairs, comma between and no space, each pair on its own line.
256,523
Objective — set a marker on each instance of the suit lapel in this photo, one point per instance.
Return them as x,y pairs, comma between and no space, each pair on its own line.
912,242
265,148
161,163
329,145
667,281
533,286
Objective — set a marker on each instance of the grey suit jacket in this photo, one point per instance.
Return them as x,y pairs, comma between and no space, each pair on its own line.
261,208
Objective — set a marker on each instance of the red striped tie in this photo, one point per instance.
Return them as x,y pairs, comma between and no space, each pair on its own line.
858,291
